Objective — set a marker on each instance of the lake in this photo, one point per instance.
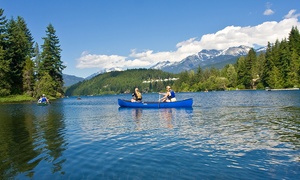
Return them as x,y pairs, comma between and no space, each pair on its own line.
225,135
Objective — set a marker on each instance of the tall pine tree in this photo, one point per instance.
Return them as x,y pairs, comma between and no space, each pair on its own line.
19,48
51,63
3,29
5,87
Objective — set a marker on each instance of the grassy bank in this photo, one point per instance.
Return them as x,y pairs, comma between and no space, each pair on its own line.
16,98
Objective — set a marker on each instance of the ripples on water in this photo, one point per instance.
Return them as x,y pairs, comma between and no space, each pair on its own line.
226,135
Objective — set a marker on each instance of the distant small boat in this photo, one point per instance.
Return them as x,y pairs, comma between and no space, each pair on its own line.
142,104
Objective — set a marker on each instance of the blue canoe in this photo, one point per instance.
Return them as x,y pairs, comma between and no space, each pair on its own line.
176,104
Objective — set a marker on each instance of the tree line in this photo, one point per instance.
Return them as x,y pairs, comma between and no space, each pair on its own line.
277,67
23,68
116,82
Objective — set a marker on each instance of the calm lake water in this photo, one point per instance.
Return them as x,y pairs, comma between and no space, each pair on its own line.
226,135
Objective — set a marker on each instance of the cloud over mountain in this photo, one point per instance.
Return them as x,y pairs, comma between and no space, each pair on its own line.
230,36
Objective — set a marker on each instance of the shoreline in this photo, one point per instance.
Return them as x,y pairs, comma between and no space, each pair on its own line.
283,89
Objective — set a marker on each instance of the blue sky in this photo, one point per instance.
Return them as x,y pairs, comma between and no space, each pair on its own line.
98,34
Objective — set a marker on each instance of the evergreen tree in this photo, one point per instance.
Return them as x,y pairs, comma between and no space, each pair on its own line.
285,61
19,48
231,75
241,72
293,76
3,30
5,86
45,85
28,77
294,39
267,66
250,68
274,80
51,61
294,44
29,43
261,58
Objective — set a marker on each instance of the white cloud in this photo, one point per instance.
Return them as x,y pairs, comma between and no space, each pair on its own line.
261,34
268,12
101,61
291,14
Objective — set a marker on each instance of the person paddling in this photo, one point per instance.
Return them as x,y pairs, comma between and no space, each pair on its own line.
169,96
44,99
136,96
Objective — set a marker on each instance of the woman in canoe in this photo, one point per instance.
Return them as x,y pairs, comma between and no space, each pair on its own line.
136,96
169,96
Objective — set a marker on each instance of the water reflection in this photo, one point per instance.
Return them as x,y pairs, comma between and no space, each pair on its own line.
137,113
136,116
167,114
232,135
237,131
30,134
151,118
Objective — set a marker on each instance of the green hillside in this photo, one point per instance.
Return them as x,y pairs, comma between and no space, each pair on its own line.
220,65
123,82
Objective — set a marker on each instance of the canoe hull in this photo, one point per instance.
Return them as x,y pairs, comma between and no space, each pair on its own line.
42,104
176,104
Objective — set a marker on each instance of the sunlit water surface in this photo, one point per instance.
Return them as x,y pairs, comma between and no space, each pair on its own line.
226,135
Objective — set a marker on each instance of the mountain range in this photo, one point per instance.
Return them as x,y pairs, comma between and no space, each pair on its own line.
205,59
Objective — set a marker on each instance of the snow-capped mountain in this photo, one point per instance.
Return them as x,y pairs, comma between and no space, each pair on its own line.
105,70
204,58
236,51
162,64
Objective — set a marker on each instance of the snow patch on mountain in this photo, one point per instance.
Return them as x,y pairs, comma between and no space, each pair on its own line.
236,51
162,64
105,70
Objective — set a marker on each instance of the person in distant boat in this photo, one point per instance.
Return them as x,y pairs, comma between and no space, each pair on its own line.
169,96
136,96
43,99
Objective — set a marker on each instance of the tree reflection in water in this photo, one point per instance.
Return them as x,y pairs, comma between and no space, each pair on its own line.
25,136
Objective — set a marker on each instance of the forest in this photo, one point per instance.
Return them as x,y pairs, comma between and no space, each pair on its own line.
24,70
278,67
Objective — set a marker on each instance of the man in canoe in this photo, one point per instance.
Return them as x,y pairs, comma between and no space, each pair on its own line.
43,99
136,96
169,96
